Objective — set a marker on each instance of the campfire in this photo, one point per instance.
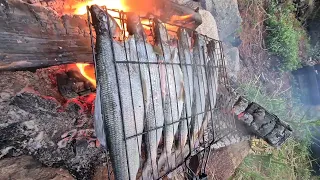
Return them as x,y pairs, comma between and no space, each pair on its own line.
62,51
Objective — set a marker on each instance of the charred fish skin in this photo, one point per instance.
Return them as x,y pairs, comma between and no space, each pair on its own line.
173,92
200,86
186,61
112,100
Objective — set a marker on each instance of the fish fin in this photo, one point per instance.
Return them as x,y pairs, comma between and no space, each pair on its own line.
174,55
182,92
157,50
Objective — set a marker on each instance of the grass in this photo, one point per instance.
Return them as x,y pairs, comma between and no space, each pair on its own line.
292,160
285,34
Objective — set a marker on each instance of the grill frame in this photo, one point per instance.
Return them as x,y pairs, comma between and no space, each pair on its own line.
205,148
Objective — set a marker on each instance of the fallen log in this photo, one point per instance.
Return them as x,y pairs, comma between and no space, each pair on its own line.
34,36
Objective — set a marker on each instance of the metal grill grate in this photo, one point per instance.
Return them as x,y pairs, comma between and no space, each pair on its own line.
211,66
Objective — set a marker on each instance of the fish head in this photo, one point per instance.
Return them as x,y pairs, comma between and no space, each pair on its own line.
161,34
134,25
184,38
104,23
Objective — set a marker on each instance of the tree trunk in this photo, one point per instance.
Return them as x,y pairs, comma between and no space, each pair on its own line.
33,36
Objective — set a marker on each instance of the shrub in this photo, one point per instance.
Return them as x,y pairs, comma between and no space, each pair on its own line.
284,34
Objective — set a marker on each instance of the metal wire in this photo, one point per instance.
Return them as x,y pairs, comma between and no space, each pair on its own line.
211,50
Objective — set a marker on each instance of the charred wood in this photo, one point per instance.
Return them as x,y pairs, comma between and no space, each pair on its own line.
33,36
261,123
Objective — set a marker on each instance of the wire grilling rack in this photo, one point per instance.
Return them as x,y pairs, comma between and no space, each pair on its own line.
209,69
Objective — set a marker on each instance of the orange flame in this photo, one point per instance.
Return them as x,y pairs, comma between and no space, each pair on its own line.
138,6
175,18
87,70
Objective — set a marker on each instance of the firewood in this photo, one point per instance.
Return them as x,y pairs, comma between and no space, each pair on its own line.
33,36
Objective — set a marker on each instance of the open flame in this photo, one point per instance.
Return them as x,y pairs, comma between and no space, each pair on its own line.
138,6
87,71
141,7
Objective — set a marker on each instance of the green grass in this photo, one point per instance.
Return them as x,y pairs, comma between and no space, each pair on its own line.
284,34
291,161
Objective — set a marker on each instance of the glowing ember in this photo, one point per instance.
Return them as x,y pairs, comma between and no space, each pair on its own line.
87,70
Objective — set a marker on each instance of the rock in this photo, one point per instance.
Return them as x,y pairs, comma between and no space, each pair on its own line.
223,162
208,26
232,58
26,168
227,15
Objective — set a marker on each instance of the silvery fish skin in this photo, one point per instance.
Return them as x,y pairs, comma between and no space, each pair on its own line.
185,58
174,92
212,75
117,124
154,113
212,83
200,86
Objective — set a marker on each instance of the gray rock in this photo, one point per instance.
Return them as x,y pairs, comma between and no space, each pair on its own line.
227,15
232,58
208,26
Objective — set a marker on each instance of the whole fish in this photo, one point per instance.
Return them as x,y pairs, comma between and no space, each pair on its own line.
154,114
114,103
212,83
174,92
186,60
200,87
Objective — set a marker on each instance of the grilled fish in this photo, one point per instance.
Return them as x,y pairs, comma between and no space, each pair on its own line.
212,83
200,86
154,113
212,75
186,60
114,101
174,92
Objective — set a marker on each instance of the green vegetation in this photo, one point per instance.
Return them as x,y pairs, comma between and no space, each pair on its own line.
291,161
285,34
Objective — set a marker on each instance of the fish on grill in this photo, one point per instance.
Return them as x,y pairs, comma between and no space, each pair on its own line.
154,114
186,67
174,92
118,114
212,85
200,87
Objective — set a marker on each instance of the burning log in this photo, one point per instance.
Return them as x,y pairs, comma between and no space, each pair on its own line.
261,123
33,37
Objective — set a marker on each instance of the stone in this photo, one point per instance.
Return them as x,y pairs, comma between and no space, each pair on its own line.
227,15
232,58
208,26
26,168
223,162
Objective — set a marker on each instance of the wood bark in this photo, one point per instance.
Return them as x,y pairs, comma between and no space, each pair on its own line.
33,36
